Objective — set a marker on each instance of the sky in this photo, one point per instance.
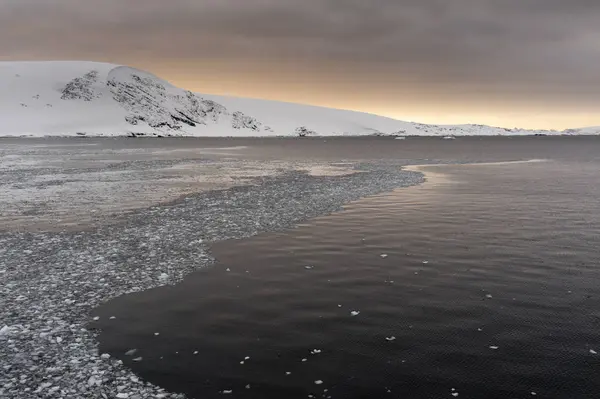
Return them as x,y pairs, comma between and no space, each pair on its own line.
510,63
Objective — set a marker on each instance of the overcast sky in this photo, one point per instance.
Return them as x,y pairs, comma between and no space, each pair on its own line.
531,63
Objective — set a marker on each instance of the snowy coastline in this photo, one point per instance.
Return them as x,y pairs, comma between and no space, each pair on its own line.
89,99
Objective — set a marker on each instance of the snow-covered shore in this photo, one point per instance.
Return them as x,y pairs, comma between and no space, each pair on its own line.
77,98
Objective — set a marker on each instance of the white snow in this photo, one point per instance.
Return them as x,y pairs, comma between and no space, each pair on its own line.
75,98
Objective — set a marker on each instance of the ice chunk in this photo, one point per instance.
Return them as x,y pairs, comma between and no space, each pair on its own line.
384,256
318,382
130,352
355,313
593,352
494,347
4,331
163,277
392,338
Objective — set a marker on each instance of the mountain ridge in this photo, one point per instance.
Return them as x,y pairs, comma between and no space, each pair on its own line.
82,98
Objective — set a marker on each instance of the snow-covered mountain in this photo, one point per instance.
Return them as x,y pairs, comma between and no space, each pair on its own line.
64,98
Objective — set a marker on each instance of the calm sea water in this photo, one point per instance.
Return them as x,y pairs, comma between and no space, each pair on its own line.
482,283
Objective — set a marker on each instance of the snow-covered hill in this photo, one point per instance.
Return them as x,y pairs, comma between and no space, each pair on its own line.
63,98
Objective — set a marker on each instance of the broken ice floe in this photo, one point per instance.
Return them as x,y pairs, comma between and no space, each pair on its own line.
355,313
392,338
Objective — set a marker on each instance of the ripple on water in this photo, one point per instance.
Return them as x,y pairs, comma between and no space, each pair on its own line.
489,289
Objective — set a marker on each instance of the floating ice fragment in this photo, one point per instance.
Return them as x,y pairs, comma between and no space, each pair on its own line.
489,296
130,352
195,352
392,338
96,318
93,381
242,362
318,382
4,331
112,317
138,359
248,386
425,262
315,351
122,395
227,391
355,313
59,340
533,393
305,359
105,356
287,373
157,333
339,306
455,394
493,347
228,270
593,352
309,267
479,329
384,256
247,358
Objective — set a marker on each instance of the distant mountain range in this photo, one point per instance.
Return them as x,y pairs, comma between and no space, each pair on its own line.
76,98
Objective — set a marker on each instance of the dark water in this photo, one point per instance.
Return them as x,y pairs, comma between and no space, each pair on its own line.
490,287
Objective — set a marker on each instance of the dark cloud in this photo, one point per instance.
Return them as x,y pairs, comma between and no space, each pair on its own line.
537,48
